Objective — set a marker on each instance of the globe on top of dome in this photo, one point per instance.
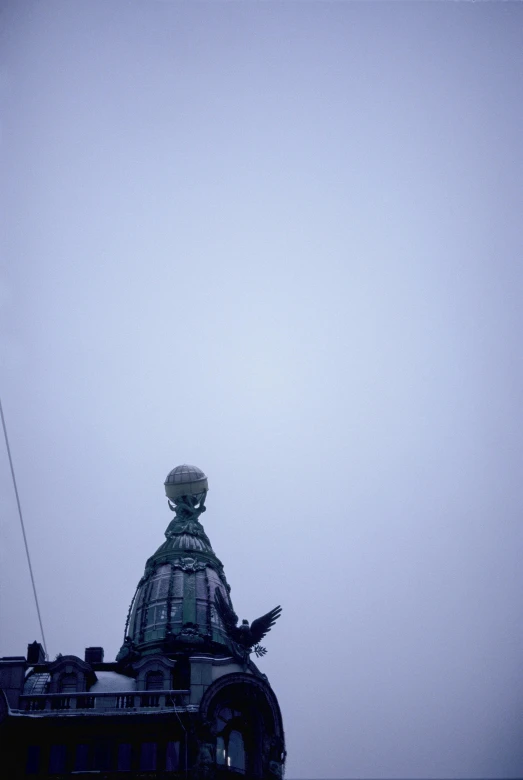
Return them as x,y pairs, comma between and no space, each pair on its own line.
185,480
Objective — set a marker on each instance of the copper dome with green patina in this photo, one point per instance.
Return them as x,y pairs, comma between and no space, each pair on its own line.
174,604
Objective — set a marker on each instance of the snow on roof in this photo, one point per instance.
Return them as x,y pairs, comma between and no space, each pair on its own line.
112,681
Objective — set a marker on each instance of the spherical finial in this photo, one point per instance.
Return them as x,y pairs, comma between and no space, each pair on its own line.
185,480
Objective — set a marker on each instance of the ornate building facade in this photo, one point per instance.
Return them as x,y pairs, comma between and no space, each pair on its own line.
183,697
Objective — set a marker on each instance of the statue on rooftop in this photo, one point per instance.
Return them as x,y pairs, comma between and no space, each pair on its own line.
246,636
186,489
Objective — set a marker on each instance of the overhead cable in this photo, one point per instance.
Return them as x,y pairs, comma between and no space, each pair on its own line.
23,527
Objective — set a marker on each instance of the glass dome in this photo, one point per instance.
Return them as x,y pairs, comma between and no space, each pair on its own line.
185,480
184,473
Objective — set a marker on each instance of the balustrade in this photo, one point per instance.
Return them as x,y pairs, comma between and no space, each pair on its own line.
124,702
166,699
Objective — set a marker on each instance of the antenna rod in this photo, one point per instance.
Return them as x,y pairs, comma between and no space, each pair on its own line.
23,528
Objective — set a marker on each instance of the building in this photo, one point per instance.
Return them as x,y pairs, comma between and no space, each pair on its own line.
183,697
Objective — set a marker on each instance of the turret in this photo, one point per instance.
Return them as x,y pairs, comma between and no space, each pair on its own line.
174,608
181,625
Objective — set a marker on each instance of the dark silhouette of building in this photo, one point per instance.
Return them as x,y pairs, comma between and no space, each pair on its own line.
183,697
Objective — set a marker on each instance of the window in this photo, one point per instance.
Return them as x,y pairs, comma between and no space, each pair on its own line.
81,759
201,614
215,584
102,756
57,759
68,683
236,751
178,585
177,599
148,756
154,681
221,753
124,757
157,615
160,584
230,750
38,682
172,757
202,596
33,760
230,747
150,610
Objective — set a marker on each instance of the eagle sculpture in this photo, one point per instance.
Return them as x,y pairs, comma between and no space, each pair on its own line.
246,636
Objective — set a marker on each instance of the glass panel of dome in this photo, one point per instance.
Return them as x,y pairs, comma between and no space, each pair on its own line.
161,613
201,615
153,590
135,621
201,585
176,612
149,620
178,584
163,587
215,582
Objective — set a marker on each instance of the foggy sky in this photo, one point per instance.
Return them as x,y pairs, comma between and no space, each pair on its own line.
282,242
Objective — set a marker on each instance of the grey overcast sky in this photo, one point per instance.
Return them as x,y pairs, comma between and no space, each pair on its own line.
281,241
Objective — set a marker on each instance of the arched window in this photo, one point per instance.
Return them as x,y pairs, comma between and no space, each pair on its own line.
154,681
243,715
230,746
68,683
236,751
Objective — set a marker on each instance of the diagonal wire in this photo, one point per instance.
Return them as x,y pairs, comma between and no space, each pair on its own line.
23,527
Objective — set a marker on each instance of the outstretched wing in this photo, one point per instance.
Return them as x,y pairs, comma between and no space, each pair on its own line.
228,616
263,625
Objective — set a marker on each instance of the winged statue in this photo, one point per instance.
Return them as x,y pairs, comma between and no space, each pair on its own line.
247,636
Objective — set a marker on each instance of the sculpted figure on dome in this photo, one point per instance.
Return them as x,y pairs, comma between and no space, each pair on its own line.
188,509
186,488
127,652
190,634
247,637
